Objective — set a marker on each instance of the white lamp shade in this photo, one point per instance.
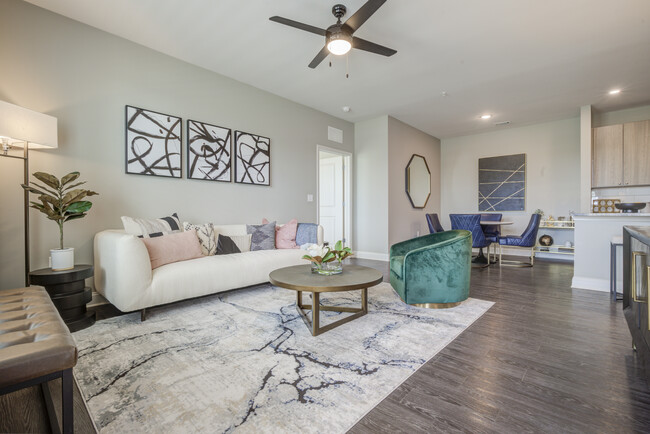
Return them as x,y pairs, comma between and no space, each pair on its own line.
21,125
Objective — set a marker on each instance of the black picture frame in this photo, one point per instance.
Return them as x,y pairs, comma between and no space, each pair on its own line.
252,159
209,152
153,143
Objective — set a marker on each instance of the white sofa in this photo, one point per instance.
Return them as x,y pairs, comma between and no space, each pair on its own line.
123,273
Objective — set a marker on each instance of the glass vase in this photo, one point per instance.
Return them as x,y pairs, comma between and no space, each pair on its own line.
327,268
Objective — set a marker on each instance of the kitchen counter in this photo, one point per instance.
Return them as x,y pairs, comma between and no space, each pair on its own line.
593,233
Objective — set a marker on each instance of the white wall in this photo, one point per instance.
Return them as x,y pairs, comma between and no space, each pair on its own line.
552,169
404,221
371,188
621,116
85,77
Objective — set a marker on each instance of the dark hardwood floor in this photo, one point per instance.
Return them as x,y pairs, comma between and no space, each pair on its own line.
544,358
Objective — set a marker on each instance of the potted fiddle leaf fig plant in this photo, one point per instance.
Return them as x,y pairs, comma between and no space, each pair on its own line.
61,202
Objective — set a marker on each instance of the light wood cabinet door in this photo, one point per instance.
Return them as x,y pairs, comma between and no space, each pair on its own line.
636,153
607,156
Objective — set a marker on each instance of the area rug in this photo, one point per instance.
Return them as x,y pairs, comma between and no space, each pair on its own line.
245,361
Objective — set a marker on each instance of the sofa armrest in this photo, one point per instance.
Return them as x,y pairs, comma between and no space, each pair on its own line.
122,267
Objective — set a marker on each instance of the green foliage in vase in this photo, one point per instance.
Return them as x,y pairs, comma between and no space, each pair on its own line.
322,254
59,200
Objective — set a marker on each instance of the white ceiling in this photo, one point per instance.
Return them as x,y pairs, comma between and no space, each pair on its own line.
523,61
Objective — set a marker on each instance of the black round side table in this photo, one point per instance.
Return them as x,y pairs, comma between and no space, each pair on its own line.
69,293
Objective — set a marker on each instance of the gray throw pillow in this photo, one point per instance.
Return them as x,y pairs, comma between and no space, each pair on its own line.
262,236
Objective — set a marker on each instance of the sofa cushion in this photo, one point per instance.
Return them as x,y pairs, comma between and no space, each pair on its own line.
285,235
397,265
148,228
205,233
243,242
173,248
226,246
262,236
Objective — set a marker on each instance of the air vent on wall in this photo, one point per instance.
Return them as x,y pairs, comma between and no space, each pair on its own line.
499,124
334,134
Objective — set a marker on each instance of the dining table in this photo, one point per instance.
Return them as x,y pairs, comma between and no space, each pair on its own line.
481,258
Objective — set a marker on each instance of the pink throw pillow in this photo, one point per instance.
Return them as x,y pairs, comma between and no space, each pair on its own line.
285,236
176,247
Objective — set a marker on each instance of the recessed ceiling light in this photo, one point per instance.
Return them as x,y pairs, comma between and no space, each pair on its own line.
345,108
615,91
486,116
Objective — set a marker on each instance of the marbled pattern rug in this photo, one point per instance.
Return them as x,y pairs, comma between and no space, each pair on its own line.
245,361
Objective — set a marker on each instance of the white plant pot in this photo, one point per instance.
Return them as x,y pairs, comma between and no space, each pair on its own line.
62,259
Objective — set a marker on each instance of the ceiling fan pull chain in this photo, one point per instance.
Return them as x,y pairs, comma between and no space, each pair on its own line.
347,66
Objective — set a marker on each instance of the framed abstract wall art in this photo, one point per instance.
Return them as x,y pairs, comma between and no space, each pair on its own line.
153,143
502,183
252,159
209,150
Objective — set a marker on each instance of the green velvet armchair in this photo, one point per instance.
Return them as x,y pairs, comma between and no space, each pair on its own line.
433,270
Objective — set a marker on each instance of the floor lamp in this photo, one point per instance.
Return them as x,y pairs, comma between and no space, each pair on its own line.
26,129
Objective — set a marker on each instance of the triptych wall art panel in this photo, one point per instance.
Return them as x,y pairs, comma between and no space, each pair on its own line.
502,183
252,159
153,147
153,143
209,150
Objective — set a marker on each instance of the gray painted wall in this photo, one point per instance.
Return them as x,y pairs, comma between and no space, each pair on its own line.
404,221
552,169
371,187
85,77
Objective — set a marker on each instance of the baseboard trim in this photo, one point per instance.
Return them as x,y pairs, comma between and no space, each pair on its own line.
590,283
372,255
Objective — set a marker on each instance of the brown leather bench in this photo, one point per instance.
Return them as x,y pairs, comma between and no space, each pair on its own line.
35,347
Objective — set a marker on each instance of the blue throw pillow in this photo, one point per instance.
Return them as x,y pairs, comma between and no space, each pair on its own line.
307,233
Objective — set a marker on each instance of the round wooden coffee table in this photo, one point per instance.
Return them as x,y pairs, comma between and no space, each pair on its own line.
300,278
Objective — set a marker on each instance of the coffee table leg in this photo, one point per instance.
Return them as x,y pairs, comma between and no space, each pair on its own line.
315,313
299,299
364,300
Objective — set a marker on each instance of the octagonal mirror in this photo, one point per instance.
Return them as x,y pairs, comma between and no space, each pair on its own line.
418,181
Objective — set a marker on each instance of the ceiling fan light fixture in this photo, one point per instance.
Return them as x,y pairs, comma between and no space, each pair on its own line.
339,43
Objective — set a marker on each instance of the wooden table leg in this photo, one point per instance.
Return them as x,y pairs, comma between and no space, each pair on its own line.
299,299
364,300
315,312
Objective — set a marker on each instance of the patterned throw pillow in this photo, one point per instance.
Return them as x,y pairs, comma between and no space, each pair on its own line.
307,233
262,236
206,236
149,228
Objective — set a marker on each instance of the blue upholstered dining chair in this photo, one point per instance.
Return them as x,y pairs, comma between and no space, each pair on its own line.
434,223
526,240
472,223
492,232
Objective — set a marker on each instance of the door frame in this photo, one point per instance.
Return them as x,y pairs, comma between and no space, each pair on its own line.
347,189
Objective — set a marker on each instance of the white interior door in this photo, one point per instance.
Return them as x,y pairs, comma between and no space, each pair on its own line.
330,196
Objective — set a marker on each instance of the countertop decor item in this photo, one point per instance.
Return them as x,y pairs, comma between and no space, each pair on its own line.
546,240
60,202
605,205
630,207
26,129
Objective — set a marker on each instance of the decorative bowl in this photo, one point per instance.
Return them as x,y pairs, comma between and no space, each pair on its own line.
630,206
546,240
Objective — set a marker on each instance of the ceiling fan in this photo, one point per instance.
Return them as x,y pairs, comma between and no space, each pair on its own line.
338,37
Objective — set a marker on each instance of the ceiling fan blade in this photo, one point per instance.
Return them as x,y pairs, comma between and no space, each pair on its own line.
362,44
322,54
362,15
297,25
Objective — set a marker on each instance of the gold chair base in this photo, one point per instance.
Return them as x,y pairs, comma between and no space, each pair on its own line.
437,305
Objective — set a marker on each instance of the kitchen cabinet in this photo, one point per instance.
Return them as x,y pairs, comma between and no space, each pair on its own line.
636,153
636,264
621,155
607,155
